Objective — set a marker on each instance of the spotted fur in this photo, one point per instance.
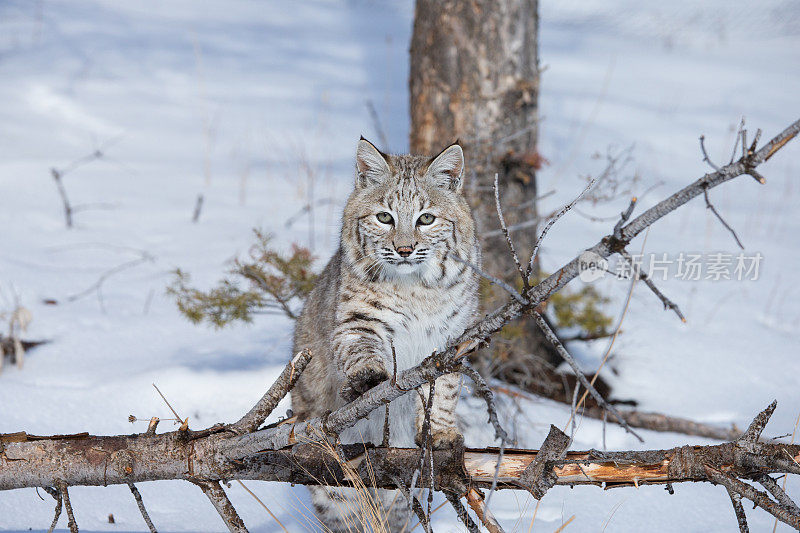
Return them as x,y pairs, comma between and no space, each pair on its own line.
390,285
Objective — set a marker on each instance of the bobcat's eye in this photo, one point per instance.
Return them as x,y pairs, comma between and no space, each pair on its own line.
425,219
384,217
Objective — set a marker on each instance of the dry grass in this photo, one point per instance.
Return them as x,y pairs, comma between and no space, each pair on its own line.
360,508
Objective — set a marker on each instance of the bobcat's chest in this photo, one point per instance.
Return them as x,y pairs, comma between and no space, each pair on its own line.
425,325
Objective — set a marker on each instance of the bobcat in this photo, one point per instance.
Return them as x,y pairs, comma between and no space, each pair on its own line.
393,284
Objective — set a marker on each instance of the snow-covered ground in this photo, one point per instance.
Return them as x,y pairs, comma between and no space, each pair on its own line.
258,107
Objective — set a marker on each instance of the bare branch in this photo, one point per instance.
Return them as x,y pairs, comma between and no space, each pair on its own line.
741,518
710,206
277,391
624,216
98,284
672,424
736,140
142,509
462,514
59,174
771,485
749,440
488,396
56,494
491,279
551,336
759,498
64,490
538,477
215,493
552,221
668,304
174,412
756,176
376,123
514,227
705,154
198,208
504,229
478,504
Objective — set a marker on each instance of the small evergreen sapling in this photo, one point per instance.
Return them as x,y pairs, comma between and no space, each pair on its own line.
266,282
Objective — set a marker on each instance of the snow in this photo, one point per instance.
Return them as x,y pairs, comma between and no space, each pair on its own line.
258,107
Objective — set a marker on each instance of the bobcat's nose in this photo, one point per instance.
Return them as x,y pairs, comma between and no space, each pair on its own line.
404,251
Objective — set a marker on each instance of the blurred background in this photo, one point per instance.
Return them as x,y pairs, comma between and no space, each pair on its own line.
174,128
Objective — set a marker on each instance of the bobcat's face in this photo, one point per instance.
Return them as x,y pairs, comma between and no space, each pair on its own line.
407,214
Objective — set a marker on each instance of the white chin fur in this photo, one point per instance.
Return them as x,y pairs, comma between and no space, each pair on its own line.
404,271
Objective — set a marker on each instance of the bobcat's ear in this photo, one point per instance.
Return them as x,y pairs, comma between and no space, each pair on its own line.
371,165
447,169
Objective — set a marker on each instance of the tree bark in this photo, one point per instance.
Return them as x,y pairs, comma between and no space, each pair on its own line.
475,77
100,461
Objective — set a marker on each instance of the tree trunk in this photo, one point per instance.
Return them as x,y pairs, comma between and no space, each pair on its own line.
475,77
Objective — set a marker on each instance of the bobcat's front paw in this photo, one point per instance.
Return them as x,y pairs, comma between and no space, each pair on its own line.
444,439
362,380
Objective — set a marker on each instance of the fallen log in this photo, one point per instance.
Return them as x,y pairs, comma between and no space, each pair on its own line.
95,460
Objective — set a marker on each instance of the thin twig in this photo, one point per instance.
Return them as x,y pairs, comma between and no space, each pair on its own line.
504,229
198,208
413,503
771,485
515,227
478,504
759,498
668,304
553,339
736,140
56,494
486,393
710,206
426,447
216,495
705,154
142,509
174,412
376,123
461,512
64,199
624,216
64,490
59,174
741,518
488,396
552,221
491,279
277,391
98,284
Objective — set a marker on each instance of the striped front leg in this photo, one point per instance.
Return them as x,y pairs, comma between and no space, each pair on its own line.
444,432
359,355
